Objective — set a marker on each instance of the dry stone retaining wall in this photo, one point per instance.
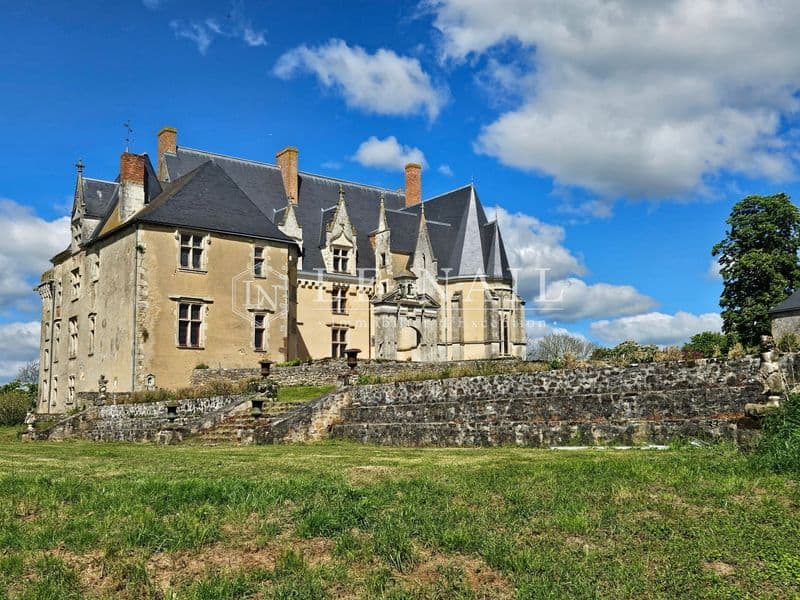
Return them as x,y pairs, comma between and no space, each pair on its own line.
653,402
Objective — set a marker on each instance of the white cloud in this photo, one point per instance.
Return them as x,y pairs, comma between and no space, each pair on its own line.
538,329
656,328
713,272
19,344
387,153
572,299
637,99
445,170
203,32
383,83
27,244
536,250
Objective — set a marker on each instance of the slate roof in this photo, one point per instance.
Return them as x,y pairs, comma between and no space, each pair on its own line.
791,304
97,196
220,193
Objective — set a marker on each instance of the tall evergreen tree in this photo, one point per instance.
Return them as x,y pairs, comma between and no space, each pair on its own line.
758,263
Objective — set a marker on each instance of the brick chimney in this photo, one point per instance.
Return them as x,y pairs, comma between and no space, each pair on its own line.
131,184
287,163
413,184
167,142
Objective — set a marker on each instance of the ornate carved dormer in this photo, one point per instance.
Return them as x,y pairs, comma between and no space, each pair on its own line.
340,246
290,226
423,263
78,210
384,274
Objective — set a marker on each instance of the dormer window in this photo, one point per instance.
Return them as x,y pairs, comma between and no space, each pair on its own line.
341,258
192,251
76,233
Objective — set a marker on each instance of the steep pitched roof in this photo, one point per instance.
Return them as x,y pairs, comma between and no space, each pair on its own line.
462,242
208,199
791,304
97,196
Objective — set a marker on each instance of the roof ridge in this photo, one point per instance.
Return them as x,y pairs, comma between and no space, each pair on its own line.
307,173
466,185
101,180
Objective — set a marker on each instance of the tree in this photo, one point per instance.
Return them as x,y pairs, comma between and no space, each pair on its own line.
557,345
758,263
29,373
709,344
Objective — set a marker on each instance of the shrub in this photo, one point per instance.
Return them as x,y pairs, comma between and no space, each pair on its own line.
296,362
153,396
14,405
627,352
779,448
711,344
202,366
736,351
788,342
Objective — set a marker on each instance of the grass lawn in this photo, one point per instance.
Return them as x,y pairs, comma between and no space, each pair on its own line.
302,393
340,520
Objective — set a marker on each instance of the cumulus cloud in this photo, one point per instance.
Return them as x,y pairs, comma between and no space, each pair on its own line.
387,153
204,32
636,99
713,272
383,83
547,274
19,345
445,170
572,299
27,244
656,328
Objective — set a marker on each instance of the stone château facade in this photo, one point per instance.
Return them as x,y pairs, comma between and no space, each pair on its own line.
210,260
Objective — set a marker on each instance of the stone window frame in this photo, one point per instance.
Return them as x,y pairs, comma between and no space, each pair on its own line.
56,338
197,244
340,259
54,388
70,390
92,318
338,341
339,300
383,263
95,267
259,261
190,319
75,281
72,348
262,330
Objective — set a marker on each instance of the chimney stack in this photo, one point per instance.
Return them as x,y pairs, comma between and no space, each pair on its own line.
131,184
287,163
413,184
167,142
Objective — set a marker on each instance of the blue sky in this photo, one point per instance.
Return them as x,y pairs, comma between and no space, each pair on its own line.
615,137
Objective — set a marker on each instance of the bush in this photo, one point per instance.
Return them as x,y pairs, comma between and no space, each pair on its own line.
202,366
14,405
710,344
788,342
779,448
627,352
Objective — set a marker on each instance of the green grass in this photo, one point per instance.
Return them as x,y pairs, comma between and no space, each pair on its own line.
340,520
302,393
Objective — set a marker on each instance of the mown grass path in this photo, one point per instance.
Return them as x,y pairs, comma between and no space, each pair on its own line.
342,520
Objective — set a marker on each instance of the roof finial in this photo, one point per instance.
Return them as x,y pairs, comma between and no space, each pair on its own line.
79,166
341,193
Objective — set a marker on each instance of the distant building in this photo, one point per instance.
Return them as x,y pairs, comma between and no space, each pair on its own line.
212,260
786,317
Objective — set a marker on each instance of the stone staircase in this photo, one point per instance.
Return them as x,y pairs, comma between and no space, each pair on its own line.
240,426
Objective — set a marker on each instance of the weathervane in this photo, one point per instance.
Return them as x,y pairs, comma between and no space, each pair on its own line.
129,137
79,166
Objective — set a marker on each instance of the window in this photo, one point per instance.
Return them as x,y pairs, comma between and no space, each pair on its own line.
190,320
73,337
340,259
71,389
96,267
338,342
76,234
258,261
92,325
383,259
192,251
58,294
75,278
56,338
385,287
259,332
339,300
46,359
55,389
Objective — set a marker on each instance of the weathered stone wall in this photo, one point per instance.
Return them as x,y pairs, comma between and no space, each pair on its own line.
140,422
785,323
322,372
653,402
